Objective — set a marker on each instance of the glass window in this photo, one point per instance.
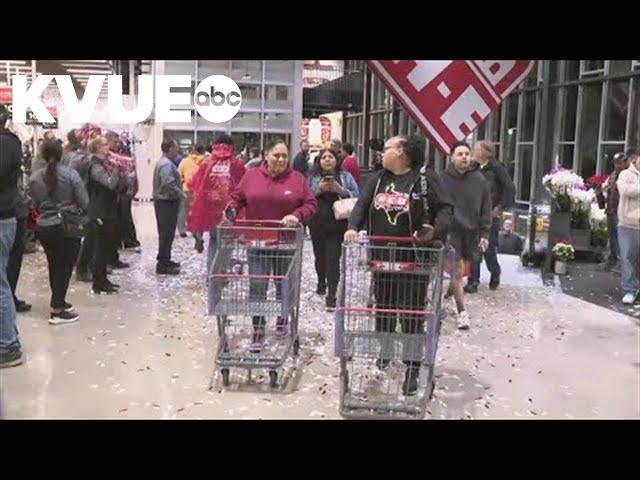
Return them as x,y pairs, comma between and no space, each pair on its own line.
279,71
278,96
525,162
589,66
568,114
571,69
246,120
481,131
589,127
607,153
246,70
528,117
554,70
617,67
532,78
565,155
278,121
180,67
497,118
206,68
634,138
617,106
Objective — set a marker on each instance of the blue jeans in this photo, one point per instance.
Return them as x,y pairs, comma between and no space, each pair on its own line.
629,239
8,329
490,255
614,246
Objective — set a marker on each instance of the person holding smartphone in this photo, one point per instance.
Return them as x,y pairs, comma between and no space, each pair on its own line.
329,183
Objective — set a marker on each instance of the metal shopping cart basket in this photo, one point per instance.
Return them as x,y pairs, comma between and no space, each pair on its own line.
387,320
254,280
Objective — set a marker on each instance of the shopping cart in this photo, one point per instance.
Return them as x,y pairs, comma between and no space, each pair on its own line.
254,280
387,321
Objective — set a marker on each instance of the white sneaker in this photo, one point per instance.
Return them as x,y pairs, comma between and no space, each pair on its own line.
629,298
463,320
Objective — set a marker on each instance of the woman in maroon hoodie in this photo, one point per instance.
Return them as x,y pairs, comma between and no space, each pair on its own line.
273,191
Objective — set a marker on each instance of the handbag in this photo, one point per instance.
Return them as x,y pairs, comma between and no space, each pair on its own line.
74,222
343,208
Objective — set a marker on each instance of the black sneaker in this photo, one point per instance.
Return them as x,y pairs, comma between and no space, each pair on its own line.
183,235
113,285
382,363
84,277
494,283
174,264
471,287
22,306
410,385
322,289
63,317
12,358
120,265
331,304
199,246
167,270
108,289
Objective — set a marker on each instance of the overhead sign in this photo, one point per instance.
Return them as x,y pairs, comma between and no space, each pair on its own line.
448,99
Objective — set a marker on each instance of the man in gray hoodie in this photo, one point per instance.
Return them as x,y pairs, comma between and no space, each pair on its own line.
167,193
469,233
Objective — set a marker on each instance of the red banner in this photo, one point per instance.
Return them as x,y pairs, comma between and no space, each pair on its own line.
448,99
6,95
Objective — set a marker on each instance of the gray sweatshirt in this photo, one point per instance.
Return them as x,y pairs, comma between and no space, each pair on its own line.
167,184
69,193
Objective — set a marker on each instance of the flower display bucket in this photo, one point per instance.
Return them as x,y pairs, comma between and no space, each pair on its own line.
560,267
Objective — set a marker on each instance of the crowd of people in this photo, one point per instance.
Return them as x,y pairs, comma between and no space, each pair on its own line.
82,191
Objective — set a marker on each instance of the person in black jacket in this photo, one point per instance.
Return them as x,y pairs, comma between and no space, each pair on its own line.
469,234
329,184
502,197
301,160
392,203
103,187
10,163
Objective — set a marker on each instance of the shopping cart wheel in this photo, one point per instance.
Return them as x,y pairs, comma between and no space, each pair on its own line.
296,347
225,376
273,378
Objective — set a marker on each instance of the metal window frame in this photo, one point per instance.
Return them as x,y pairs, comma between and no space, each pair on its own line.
585,72
632,105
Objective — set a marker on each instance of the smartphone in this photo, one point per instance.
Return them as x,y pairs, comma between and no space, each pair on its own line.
328,178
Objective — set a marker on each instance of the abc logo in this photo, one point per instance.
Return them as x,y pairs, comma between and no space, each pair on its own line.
217,98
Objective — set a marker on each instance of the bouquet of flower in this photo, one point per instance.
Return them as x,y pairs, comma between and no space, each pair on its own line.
596,180
581,201
598,223
563,251
560,182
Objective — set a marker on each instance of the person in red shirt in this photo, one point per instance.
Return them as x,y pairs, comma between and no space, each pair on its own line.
273,191
350,162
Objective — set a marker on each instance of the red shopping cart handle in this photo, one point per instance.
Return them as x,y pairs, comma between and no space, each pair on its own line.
258,222
382,238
